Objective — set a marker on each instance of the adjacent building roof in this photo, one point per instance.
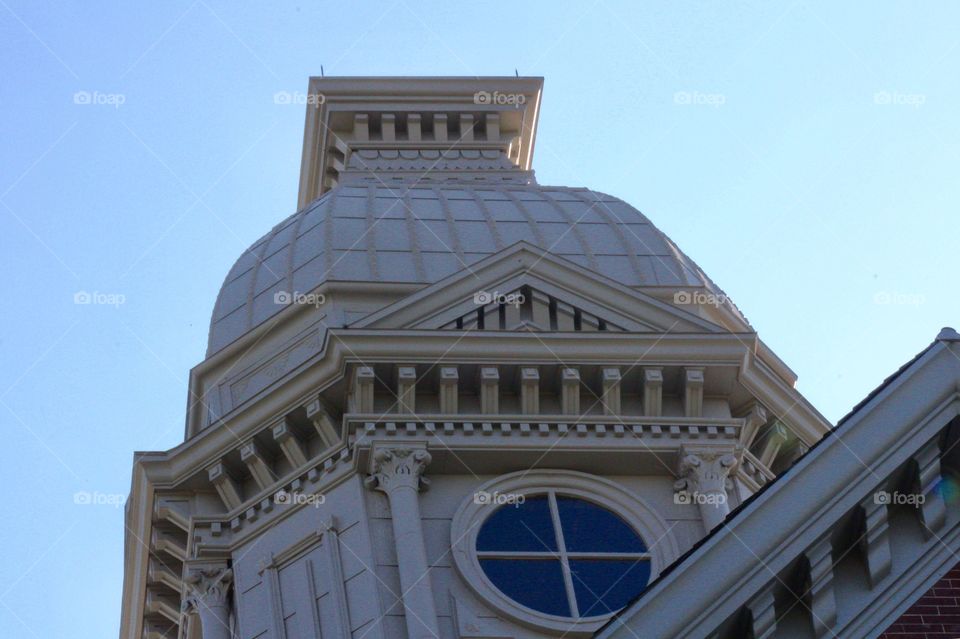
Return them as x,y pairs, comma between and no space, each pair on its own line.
908,411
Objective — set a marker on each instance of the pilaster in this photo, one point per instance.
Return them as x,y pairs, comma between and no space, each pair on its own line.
398,472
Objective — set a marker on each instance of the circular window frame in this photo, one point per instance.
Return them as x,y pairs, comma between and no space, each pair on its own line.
470,516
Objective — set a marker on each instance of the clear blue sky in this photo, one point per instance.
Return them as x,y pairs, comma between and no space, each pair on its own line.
804,154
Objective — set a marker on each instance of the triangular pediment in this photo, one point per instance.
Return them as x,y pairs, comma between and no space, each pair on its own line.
526,288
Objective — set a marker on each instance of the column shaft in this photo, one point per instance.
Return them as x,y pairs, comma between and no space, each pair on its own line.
412,561
397,472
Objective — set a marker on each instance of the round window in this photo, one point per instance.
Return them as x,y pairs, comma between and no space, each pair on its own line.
558,550
562,555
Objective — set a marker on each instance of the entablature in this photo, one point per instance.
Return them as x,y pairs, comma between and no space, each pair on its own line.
484,444
686,375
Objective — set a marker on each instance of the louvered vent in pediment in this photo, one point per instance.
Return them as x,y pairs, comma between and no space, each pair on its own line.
527,309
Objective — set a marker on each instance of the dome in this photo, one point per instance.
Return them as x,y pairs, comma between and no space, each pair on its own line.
421,234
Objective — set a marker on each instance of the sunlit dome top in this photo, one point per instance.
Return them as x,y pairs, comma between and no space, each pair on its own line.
370,232
409,180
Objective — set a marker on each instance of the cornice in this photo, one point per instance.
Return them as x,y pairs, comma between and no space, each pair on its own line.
371,346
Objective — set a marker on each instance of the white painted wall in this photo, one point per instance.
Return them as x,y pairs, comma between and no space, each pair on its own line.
368,557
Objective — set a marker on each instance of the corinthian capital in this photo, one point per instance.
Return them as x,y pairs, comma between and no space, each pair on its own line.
393,468
207,588
705,471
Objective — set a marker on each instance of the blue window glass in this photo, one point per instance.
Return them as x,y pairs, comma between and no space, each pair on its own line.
595,555
535,583
607,586
590,528
517,528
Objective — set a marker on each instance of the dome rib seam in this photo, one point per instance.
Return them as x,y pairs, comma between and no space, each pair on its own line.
252,290
369,236
488,217
454,235
541,240
602,209
574,229
328,250
411,220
